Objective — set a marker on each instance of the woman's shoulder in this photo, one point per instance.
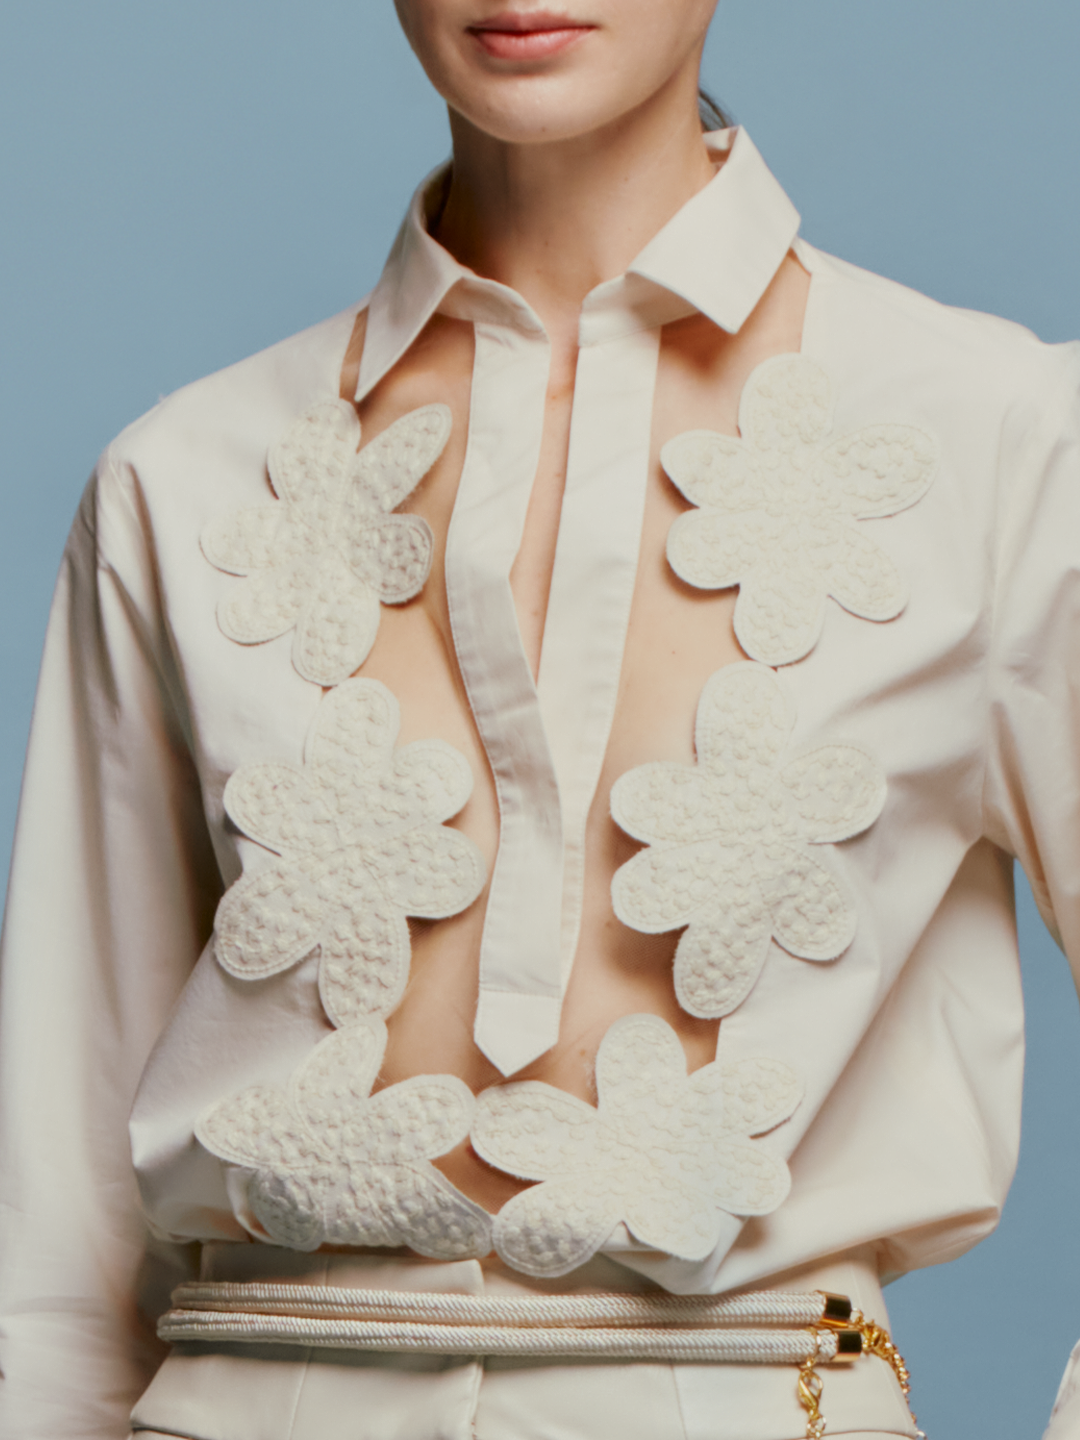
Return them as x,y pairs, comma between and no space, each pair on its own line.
204,448
969,349
240,407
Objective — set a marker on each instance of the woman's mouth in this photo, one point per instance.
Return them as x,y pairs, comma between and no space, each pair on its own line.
531,36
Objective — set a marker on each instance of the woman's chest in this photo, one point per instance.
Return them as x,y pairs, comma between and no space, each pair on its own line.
587,564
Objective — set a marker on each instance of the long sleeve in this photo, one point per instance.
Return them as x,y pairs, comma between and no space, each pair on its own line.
1032,793
1033,776
111,897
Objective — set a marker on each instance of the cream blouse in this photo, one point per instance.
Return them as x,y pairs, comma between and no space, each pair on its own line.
901,514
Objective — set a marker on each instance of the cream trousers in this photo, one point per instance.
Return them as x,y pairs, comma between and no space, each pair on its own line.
242,1392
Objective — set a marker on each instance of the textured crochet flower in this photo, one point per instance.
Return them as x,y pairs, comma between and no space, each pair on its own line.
336,1165
778,509
731,841
326,554
361,842
663,1153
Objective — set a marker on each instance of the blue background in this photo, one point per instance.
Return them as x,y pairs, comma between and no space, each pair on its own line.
184,184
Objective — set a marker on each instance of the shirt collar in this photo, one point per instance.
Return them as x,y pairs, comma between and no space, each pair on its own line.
715,256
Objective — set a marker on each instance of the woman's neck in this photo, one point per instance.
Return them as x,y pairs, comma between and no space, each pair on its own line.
552,221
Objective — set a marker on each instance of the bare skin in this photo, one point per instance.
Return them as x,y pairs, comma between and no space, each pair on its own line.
552,220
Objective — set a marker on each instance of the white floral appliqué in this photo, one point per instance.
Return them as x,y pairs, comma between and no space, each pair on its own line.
664,1153
730,841
336,1165
324,556
779,509
362,845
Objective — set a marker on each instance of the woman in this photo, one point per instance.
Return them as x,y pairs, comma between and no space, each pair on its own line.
719,869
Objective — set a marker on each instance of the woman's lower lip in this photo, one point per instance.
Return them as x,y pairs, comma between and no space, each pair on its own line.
527,44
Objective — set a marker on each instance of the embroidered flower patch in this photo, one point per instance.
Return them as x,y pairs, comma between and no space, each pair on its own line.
731,841
336,1165
324,556
663,1153
779,509
362,845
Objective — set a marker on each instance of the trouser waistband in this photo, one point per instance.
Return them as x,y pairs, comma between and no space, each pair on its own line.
798,1328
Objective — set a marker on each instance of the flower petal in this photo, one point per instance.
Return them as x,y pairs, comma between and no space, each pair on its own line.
879,470
289,1208
744,720
430,873
437,773
419,1119
274,803
242,540
712,550
365,948
422,1209
425,783
553,1228
330,1090
266,604
780,610
391,556
751,1178
812,915
311,465
533,1130
268,921
339,623
353,1209
713,470
664,887
639,1059
354,731
786,408
392,465
662,801
679,1219
859,575
748,1097
839,791
719,958
256,1128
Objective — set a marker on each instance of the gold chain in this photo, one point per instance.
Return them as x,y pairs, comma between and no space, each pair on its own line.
810,1388
876,1340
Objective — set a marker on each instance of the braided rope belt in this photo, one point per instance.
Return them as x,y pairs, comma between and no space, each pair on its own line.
767,1327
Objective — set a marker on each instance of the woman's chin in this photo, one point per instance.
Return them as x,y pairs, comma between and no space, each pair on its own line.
534,112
